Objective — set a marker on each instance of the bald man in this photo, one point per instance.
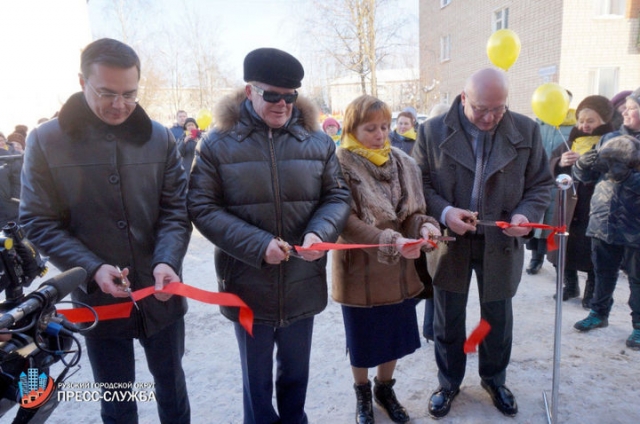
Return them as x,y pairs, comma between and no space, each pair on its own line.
480,161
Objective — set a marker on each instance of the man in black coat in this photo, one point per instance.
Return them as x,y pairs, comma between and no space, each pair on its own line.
103,188
264,179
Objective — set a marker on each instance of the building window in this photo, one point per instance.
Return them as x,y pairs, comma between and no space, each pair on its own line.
444,3
501,19
603,81
609,7
444,97
445,48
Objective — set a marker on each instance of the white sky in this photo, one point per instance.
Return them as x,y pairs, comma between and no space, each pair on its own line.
43,40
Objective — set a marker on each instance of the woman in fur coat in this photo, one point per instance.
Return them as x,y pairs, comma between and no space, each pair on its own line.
376,286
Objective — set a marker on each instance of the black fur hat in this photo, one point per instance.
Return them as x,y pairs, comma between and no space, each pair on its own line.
274,67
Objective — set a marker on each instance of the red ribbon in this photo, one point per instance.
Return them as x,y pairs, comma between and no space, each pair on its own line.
477,336
551,241
323,246
123,310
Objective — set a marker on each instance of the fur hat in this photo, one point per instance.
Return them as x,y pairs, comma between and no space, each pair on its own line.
635,96
624,149
16,137
274,67
599,104
620,98
330,121
186,121
22,129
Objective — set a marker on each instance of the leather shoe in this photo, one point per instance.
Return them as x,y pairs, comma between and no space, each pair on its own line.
440,402
502,397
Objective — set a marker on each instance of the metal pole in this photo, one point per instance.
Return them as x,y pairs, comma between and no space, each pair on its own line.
564,182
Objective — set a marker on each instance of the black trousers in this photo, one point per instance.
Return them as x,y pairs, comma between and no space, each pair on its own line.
494,353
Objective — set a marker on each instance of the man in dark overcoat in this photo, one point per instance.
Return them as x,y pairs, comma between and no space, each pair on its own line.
480,161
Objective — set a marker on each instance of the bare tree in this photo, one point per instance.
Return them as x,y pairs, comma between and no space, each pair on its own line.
354,35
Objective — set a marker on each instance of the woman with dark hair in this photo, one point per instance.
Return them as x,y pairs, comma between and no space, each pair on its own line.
376,286
593,116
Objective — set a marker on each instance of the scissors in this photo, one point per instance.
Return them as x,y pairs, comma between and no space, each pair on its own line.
288,249
441,238
126,288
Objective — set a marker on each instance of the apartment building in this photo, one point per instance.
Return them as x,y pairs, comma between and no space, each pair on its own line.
587,46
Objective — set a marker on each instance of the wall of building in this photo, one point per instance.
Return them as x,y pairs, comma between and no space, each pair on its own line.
589,42
560,40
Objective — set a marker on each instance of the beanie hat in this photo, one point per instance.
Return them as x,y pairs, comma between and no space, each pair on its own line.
599,104
412,111
620,98
274,67
635,96
330,121
16,137
186,121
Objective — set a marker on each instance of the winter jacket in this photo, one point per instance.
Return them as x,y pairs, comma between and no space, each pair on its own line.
517,181
250,184
387,203
401,142
10,166
95,194
578,255
615,203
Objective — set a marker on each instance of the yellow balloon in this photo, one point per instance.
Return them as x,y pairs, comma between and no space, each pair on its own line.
550,103
503,48
204,118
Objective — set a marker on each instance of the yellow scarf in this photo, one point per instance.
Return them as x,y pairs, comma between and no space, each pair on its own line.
377,156
583,144
411,134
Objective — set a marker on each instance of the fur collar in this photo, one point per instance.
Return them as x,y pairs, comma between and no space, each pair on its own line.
237,109
372,205
78,121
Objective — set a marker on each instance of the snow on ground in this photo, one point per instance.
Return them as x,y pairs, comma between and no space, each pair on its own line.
598,378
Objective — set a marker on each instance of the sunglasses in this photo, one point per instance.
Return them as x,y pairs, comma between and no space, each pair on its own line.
273,97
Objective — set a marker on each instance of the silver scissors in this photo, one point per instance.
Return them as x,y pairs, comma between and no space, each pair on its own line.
126,288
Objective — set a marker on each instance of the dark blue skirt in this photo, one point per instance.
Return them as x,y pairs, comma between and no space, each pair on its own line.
380,334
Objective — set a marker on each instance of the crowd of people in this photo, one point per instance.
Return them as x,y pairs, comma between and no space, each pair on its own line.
106,188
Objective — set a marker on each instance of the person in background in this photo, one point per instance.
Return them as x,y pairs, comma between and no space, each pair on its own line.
552,137
188,142
332,127
376,286
10,168
4,145
178,127
103,189
613,223
593,115
16,143
267,178
480,161
21,129
404,136
619,102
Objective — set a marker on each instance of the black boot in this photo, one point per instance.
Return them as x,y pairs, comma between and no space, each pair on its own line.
364,408
571,286
535,264
589,287
385,397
